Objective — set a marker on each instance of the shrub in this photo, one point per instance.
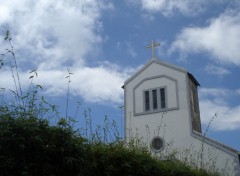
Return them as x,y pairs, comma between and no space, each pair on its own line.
30,146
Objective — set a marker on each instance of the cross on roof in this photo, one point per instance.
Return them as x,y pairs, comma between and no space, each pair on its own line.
153,45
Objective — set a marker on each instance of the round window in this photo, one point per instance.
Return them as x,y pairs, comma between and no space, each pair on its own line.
157,144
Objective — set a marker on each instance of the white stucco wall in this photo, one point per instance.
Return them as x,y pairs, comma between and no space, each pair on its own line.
177,106
215,156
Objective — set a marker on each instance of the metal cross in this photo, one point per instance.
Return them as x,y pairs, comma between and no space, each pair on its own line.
153,45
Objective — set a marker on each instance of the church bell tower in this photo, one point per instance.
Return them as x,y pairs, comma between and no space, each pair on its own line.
161,97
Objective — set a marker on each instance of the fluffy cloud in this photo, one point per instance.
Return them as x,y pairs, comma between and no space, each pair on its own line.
4,14
100,84
220,38
56,30
51,36
216,70
94,84
227,118
213,101
167,7
128,47
214,92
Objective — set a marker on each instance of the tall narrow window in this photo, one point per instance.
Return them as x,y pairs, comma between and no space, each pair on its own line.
162,98
154,99
147,100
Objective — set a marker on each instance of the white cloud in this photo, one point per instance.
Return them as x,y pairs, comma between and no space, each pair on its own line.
215,92
51,36
227,117
57,30
167,7
4,14
214,101
126,47
94,84
220,39
131,50
100,84
216,70
238,91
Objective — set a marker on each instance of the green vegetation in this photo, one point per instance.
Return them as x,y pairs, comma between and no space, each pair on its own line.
31,145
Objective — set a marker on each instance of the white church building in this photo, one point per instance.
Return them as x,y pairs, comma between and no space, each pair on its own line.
162,111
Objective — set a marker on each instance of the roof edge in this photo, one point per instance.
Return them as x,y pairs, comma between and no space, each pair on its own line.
193,79
157,62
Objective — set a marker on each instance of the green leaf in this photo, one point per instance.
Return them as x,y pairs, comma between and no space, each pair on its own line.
7,35
24,96
43,99
53,107
62,122
39,86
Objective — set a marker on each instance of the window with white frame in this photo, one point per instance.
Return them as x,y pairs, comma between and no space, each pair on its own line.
155,99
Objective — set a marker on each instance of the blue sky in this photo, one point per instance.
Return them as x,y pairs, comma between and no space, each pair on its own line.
103,42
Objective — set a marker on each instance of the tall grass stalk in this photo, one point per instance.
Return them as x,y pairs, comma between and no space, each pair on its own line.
14,69
204,138
68,90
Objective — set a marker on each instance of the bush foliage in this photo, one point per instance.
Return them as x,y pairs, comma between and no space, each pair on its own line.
30,146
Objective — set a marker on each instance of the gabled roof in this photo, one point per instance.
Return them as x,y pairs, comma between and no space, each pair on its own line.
164,64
